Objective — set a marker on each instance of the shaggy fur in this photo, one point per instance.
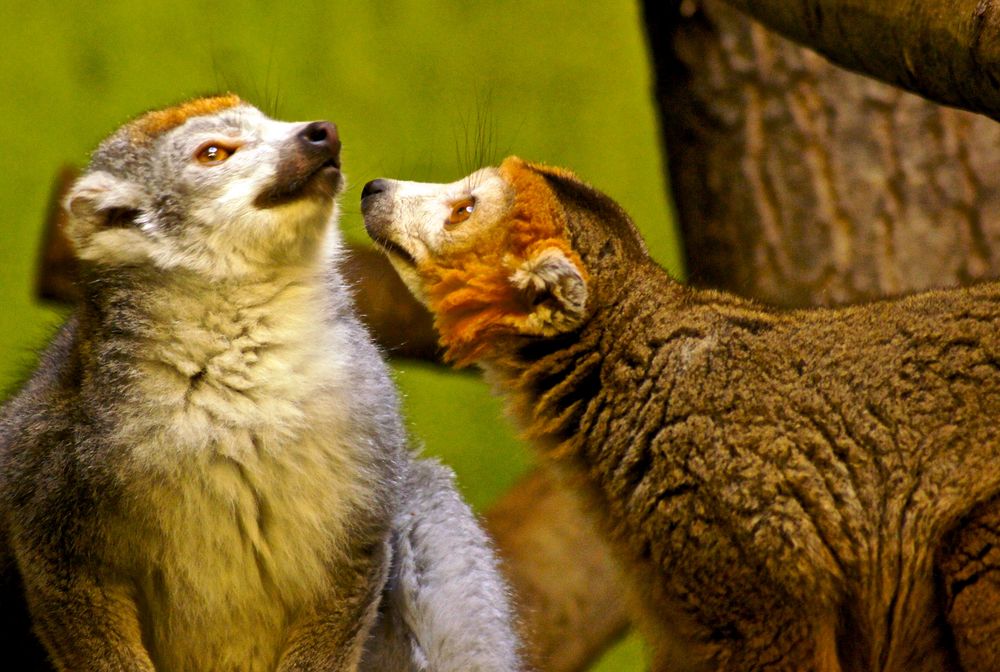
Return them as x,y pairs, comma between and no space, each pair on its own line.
208,470
807,490
471,292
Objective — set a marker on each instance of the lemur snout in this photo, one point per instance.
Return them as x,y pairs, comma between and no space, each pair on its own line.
378,217
374,188
375,209
322,136
309,164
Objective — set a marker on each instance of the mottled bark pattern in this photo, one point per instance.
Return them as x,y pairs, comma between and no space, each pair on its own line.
799,183
399,323
55,278
567,591
947,51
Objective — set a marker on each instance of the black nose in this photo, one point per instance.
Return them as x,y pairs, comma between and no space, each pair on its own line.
322,136
374,187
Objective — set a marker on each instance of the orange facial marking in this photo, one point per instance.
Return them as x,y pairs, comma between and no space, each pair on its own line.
470,291
156,123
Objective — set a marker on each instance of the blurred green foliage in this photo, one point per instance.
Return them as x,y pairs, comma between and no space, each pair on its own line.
420,90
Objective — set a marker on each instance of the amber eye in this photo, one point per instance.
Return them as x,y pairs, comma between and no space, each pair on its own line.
213,153
462,210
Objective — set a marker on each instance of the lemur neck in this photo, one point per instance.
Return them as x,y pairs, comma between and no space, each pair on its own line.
186,326
135,298
558,386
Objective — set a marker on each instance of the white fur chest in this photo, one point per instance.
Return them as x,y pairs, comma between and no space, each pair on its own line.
245,471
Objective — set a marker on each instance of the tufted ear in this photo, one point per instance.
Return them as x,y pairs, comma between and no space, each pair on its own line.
554,288
102,223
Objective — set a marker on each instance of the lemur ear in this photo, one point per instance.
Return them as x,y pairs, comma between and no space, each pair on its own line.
102,212
554,288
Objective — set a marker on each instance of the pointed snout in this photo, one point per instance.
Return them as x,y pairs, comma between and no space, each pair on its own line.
321,138
377,208
308,165
374,188
373,195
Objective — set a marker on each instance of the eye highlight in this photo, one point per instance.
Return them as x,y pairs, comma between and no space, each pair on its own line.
213,153
462,210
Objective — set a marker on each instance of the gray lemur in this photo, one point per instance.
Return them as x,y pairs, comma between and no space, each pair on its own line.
208,469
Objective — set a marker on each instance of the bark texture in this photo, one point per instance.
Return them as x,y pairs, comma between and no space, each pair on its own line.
946,51
799,183
400,324
55,277
566,589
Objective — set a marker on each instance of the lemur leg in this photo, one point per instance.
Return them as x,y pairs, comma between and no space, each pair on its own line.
969,567
17,641
331,637
84,626
446,607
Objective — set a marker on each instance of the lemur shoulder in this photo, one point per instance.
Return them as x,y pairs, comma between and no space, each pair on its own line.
208,470
804,490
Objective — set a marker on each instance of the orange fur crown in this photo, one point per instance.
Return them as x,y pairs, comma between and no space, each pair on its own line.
156,123
470,291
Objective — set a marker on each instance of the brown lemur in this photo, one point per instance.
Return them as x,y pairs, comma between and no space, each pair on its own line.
208,470
803,490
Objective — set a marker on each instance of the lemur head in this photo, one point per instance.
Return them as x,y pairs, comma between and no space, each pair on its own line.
521,250
210,186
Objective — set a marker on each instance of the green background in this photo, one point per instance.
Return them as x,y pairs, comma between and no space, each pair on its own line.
419,90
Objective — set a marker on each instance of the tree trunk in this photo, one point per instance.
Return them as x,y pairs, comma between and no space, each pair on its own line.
566,590
946,51
800,183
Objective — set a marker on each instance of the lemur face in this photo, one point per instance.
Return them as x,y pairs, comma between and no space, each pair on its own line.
418,223
212,186
488,254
